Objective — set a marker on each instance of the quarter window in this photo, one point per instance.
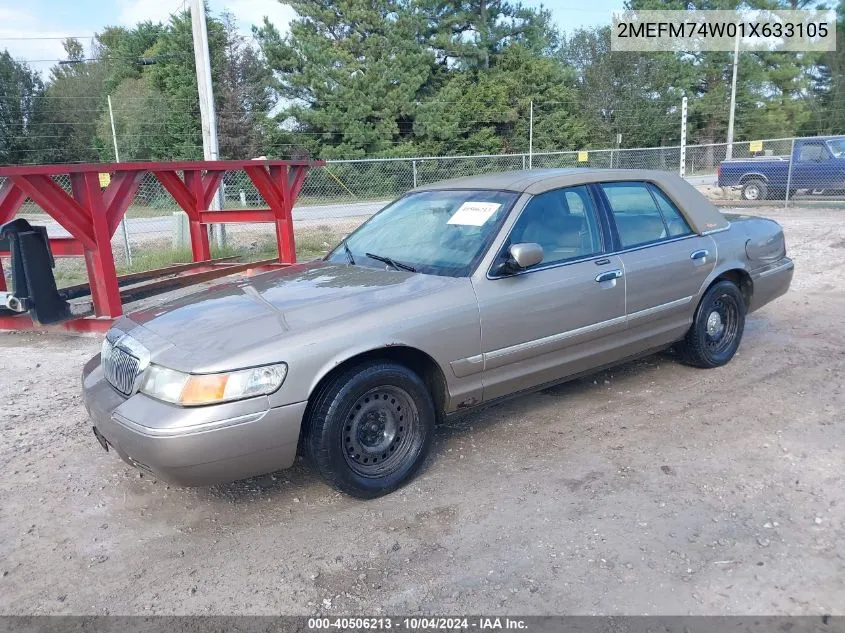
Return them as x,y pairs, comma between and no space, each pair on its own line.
675,222
564,222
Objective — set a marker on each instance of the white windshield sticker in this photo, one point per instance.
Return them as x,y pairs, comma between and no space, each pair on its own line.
474,213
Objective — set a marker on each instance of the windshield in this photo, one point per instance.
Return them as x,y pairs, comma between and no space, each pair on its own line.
837,147
435,232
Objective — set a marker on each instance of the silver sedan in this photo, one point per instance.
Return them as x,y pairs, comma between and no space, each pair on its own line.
454,296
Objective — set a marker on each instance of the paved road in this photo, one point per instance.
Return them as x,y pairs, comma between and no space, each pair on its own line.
164,224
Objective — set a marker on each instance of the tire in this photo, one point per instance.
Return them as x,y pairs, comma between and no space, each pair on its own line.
370,429
754,189
712,340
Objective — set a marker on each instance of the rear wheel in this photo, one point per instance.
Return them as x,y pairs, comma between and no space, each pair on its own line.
371,428
754,189
717,328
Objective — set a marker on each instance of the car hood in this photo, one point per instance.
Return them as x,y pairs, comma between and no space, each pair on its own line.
233,316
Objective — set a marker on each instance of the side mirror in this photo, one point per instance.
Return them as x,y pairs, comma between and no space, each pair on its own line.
526,254
520,256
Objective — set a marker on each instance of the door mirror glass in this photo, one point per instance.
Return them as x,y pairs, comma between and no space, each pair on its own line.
526,254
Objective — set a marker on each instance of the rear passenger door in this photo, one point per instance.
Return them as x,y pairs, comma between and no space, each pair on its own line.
664,262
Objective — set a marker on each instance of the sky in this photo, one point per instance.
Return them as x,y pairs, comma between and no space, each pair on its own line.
32,31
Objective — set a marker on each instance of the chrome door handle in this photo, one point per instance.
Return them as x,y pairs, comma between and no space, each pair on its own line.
699,254
610,275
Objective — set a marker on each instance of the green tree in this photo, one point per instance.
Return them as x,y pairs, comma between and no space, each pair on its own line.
174,76
645,111
826,100
138,111
123,51
21,91
72,104
488,112
353,70
244,96
474,32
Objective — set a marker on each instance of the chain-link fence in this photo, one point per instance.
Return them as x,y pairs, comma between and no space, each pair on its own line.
338,197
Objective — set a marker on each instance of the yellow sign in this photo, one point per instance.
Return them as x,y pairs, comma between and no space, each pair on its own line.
105,179
583,157
755,146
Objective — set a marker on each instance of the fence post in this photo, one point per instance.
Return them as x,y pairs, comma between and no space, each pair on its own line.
180,230
414,168
683,166
523,162
789,175
531,137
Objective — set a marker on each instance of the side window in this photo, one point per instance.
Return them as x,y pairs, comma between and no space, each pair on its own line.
813,152
635,212
564,222
675,222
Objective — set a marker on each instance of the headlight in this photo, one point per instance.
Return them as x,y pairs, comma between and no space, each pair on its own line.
196,389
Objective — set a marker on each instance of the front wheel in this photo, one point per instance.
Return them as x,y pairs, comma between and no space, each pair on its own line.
371,428
717,328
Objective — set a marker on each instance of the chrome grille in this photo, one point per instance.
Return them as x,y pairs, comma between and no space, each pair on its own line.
120,368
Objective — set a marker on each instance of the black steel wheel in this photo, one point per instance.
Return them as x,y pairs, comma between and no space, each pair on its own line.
370,429
717,327
380,430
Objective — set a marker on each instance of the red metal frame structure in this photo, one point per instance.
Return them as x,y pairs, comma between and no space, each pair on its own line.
92,214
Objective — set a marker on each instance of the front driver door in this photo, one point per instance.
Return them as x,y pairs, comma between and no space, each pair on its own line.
556,318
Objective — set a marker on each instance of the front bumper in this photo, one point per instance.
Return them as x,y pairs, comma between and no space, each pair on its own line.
193,446
771,282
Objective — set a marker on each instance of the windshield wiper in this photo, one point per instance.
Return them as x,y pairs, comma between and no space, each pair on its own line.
348,253
391,262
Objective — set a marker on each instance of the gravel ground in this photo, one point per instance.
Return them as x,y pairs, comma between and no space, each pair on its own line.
652,488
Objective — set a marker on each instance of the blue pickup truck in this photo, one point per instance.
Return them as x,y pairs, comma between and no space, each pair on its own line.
818,165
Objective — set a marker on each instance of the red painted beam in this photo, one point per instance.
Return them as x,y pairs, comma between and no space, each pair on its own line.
59,205
210,184
86,325
176,188
11,200
264,183
99,261
119,195
60,247
234,216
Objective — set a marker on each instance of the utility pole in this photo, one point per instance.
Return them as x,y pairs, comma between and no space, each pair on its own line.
123,230
730,149
208,116
531,136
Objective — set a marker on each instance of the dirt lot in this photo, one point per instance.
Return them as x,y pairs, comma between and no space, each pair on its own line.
653,488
